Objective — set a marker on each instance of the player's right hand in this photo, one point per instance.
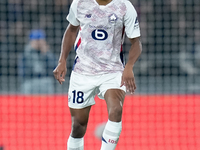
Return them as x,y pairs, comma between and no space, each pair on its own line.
60,72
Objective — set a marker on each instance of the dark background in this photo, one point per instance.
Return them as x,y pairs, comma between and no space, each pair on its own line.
170,34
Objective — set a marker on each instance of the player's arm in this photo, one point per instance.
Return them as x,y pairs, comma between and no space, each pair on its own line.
128,76
135,51
132,30
68,40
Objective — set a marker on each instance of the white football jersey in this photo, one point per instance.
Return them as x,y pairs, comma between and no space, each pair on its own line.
99,42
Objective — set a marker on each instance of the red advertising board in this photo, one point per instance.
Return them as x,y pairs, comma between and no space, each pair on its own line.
150,122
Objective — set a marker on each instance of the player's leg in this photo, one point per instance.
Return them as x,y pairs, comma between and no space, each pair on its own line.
80,99
79,119
114,100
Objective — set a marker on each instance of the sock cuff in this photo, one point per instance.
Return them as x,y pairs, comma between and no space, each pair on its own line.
75,143
113,126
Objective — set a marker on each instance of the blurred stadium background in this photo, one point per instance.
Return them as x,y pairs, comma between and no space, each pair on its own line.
164,112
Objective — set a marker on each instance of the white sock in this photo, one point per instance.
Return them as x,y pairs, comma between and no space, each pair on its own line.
111,135
75,143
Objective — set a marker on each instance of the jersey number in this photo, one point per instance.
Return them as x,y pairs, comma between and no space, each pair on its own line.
78,97
99,34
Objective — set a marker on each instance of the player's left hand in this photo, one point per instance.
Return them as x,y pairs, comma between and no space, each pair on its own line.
128,80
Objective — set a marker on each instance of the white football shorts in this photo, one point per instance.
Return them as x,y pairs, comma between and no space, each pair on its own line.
83,88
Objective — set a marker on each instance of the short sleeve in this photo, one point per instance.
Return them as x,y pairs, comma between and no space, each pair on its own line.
72,16
131,23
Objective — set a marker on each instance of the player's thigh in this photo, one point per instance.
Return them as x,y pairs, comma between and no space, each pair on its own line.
79,119
80,116
114,98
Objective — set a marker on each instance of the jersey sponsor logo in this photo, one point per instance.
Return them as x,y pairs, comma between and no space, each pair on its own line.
112,18
99,34
99,27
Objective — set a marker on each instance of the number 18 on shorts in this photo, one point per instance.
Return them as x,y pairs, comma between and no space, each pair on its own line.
83,88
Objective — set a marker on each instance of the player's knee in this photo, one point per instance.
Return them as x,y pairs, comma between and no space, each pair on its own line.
78,130
115,113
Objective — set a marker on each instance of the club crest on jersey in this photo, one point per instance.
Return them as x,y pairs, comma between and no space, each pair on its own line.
112,18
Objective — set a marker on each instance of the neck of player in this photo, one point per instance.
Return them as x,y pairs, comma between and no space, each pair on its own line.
103,2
